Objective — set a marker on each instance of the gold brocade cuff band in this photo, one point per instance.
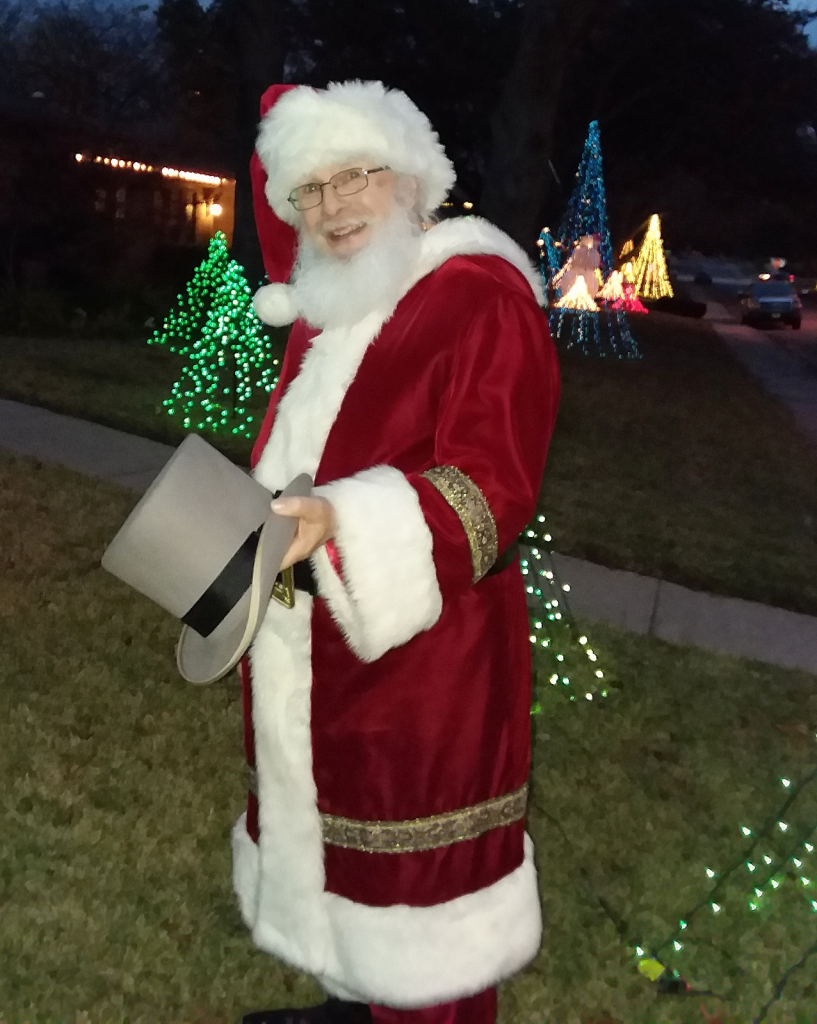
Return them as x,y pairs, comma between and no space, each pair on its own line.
468,501
425,833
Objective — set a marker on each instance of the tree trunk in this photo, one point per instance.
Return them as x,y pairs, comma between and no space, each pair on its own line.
260,51
518,179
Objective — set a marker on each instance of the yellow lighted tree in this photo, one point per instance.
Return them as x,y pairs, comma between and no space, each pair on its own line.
650,274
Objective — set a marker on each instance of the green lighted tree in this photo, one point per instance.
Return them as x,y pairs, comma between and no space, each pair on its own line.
565,664
228,352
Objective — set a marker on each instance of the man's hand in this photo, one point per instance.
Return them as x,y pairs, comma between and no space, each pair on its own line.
316,525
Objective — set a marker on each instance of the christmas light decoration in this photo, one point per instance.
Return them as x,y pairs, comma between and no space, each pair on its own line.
763,874
229,354
578,298
587,209
573,667
166,172
549,249
592,332
584,261
649,270
788,872
620,294
789,869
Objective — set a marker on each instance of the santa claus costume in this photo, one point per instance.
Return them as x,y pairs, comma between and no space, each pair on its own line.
387,717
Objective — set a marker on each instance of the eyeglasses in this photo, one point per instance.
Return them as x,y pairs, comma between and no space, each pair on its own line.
345,183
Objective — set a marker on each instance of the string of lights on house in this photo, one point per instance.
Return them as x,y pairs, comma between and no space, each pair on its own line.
195,177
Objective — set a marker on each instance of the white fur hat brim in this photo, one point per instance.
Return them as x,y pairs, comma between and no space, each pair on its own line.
308,129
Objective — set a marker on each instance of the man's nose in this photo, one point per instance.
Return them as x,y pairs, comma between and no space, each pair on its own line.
332,202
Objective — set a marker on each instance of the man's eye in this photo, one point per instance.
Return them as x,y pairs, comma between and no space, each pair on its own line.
351,175
308,190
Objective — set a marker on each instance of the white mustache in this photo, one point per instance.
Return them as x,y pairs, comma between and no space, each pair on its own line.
345,228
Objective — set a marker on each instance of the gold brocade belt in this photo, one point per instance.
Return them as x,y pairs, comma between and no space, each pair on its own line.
419,833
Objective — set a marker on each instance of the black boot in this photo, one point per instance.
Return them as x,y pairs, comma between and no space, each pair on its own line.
333,1011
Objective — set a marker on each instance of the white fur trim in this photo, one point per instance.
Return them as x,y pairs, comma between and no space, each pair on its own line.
245,871
475,236
289,920
310,405
308,129
408,957
389,591
273,303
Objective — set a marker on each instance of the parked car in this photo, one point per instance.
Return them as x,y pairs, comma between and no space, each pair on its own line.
769,302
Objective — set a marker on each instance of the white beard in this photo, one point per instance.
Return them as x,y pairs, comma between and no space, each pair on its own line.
331,291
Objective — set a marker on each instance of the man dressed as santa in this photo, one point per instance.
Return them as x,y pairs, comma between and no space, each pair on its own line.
387,695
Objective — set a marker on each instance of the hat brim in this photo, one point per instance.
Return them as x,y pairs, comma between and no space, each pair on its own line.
204,660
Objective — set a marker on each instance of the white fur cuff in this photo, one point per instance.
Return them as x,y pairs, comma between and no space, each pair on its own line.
389,591
273,303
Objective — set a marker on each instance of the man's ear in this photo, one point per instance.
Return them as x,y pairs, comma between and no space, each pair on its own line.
408,188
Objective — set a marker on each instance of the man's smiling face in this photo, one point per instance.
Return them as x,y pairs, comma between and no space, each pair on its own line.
343,225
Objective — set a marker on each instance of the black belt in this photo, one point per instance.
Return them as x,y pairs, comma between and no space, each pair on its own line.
304,578
508,557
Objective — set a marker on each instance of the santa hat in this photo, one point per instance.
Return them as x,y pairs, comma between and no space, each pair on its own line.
304,128
279,241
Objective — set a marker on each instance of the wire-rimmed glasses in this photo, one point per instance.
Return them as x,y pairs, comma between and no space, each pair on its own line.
345,183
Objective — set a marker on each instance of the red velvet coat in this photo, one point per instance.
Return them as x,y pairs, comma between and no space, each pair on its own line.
403,690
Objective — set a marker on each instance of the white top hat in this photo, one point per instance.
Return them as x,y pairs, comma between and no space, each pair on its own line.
205,545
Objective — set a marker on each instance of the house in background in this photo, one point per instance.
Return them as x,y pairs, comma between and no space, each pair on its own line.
170,205
81,212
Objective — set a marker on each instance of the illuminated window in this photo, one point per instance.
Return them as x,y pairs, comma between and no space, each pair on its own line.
99,200
121,198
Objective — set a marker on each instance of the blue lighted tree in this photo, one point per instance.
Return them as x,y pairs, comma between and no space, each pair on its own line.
593,331
587,210
550,251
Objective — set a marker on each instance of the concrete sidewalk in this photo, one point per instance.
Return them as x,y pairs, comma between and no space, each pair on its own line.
85,447
637,603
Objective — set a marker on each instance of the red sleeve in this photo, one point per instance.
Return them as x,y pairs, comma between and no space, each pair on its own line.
495,425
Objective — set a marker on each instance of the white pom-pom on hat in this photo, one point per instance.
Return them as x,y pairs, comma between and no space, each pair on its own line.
274,305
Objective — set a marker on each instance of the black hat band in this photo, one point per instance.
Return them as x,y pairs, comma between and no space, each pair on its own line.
226,590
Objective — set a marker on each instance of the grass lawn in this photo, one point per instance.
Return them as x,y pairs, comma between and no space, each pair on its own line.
119,383
678,466
120,784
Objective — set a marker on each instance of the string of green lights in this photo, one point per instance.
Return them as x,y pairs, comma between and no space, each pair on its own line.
769,870
542,584
229,354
